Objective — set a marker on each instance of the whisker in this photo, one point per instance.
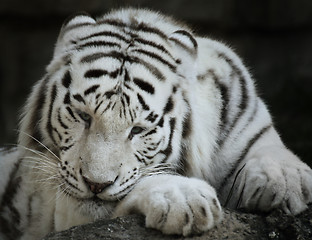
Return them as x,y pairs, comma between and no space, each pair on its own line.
42,166
158,169
41,154
39,161
40,144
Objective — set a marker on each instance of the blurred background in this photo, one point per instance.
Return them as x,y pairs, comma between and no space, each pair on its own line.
273,37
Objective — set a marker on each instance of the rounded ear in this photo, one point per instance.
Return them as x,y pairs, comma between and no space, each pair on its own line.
72,29
76,20
185,41
185,46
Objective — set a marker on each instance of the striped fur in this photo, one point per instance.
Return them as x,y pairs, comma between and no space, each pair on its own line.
137,113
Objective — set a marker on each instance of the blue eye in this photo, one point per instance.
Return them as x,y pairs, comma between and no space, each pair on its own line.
86,118
136,130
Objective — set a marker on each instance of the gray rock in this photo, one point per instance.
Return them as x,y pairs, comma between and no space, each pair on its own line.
235,226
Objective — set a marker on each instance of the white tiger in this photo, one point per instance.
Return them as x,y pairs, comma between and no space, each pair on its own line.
138,114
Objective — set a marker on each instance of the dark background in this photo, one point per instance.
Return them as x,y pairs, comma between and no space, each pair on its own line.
274,38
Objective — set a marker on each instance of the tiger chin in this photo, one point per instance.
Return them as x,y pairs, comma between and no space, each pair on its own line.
137,114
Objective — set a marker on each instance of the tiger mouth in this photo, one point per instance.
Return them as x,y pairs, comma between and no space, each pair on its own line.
98,201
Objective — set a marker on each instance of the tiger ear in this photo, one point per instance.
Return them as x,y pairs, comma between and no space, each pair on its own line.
185,46
185,41
72,29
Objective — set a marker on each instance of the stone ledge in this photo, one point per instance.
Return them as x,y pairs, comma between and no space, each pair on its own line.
235,226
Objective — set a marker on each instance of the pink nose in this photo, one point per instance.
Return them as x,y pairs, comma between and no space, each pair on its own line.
97,188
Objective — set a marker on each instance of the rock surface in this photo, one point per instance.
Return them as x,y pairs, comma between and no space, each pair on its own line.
235,226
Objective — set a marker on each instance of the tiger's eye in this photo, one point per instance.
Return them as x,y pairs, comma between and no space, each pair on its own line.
86,118
136,130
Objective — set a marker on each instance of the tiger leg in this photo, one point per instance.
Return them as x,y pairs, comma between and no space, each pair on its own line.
272,177
174,204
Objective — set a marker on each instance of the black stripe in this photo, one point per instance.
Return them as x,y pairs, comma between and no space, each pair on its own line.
97,73
123,102
10,189
151,68
66,148
60,119
182,45
97,106
124,106
127,98
58,134
169,105
157,57
142,102
66,80
127,77
187,34
224,92
168,150
143,27
106,34
155,146
114,104
70,184
114,22
145,86
154,45
149,133
151,117
49,123
91,89
161,122
30,210
140,159
79,98
187,126
98,44
67,98
183,164
95,56
244,91
71,114
106,108
109,94
131,115
36,115
127,86
244,152
11,228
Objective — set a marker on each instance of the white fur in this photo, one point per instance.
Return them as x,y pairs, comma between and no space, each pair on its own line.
216,155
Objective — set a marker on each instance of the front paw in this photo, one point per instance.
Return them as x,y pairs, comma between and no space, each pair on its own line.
174,204
278,180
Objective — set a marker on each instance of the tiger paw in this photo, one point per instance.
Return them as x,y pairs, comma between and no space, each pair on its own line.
275,178
174,204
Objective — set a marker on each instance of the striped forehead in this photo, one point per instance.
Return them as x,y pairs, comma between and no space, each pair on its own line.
115,58
109,46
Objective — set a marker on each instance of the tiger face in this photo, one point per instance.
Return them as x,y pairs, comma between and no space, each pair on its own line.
114,97
110,131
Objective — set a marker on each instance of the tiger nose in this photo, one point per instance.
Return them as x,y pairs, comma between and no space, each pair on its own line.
97,188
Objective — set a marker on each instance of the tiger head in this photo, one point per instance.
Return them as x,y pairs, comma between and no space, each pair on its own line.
112,106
